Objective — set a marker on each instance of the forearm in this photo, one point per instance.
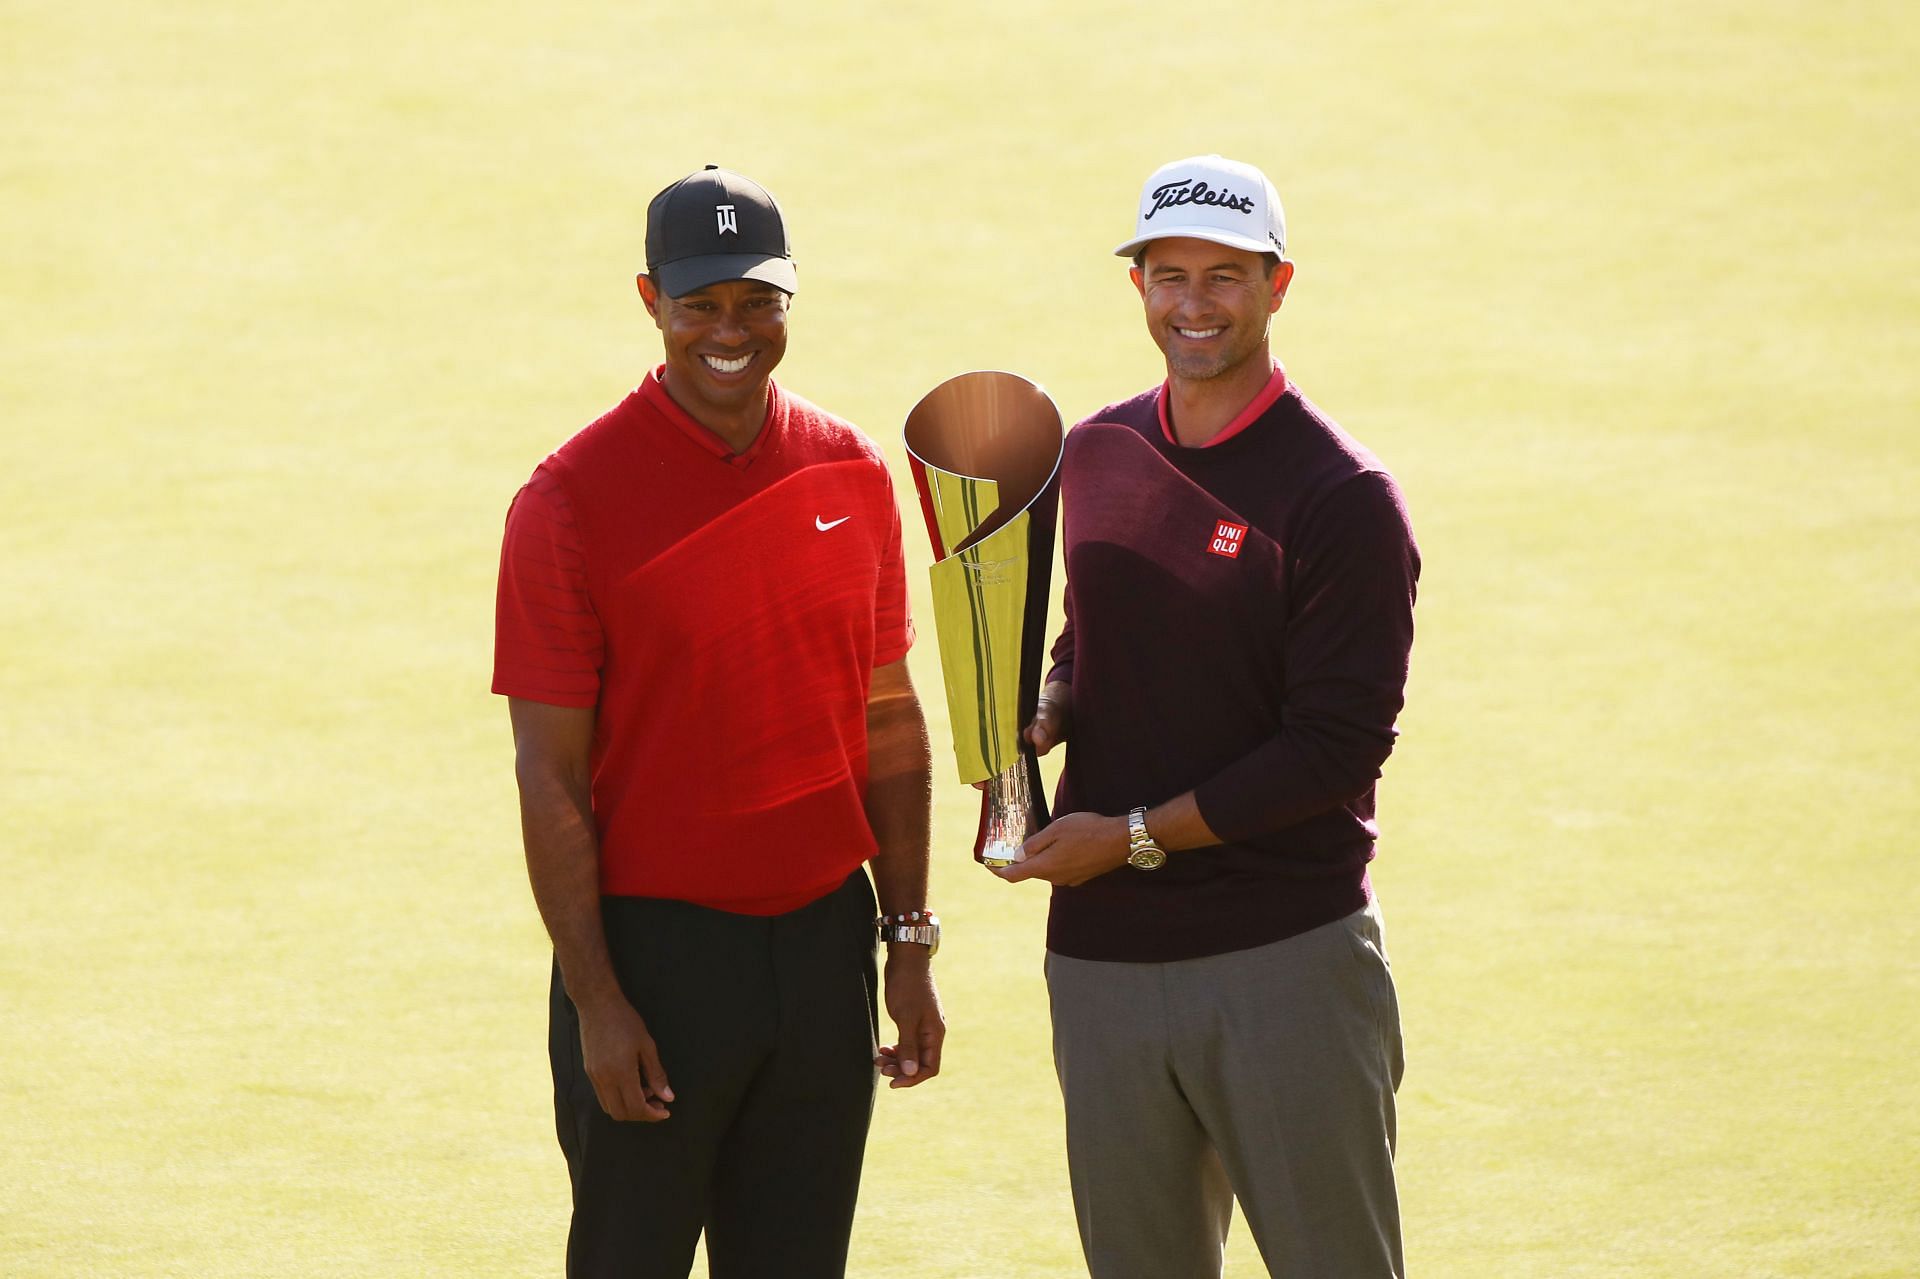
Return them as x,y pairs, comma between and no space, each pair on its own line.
899,808
553,748
563,865
1178,824
899,800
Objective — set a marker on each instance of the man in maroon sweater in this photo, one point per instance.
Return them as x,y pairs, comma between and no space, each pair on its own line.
1240,587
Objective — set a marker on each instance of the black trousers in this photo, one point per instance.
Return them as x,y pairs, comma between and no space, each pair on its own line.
766,1027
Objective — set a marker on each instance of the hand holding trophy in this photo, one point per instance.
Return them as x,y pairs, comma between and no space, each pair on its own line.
985,451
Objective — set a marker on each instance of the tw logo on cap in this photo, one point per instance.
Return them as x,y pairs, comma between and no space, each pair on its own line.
723,216
1227,538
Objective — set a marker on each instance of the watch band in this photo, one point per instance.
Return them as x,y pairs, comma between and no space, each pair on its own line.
919,926
1142,852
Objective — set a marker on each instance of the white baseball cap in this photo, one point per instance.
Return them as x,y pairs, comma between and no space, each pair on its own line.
1205,197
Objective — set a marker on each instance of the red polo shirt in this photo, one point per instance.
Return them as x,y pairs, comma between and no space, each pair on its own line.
723,614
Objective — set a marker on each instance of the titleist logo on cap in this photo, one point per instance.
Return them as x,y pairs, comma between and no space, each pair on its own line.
1209,197
1187,191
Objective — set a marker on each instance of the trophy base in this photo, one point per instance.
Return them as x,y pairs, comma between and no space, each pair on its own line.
1008,819
996,856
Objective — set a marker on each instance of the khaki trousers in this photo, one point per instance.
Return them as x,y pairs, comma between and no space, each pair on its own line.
1265,1075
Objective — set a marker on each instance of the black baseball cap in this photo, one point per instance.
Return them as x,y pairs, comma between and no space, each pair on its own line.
715,225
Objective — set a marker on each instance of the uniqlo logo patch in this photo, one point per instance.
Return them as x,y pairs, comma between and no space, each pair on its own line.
1227,538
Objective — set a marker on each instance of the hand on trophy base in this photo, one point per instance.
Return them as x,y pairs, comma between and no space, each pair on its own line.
1009,817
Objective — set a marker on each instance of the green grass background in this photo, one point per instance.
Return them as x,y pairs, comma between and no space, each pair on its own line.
295,297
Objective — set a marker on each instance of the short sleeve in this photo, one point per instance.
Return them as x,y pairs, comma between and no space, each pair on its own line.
892,618
547,640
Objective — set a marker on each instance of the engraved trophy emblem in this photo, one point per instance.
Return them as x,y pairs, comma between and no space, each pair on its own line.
985,452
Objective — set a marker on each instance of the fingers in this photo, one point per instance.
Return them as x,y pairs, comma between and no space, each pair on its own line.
914,1005
654,1076
1043,734
1049,726
1031,863
623,1063
625,1097
1043,867
933,1037
903,1071
622,1095
907,1067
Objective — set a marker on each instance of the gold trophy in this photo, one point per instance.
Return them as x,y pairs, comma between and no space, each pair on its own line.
985,450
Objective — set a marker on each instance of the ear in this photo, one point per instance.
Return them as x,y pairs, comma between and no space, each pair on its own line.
649,294
1139,279
1282,277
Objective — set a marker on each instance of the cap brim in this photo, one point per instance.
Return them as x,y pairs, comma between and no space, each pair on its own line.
1215,234
679,278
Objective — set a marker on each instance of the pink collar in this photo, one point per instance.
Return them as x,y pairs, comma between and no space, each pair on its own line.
1275,388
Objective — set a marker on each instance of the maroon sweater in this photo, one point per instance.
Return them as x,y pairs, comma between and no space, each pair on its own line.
1263,671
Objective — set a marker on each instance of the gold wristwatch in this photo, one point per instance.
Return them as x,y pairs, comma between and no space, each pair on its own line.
1142,852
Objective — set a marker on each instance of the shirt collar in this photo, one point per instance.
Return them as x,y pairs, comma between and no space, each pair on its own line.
1275,388
654,391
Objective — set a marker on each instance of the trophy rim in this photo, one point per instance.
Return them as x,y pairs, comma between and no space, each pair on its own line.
989,424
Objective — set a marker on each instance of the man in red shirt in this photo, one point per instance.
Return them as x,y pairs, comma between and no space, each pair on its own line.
1240,588
701,630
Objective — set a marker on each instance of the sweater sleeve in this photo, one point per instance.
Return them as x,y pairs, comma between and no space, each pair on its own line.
1062,672
1349,634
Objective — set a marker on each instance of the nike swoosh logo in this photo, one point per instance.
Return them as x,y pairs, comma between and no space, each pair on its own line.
823,527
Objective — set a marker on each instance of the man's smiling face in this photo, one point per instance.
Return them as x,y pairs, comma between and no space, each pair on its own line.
722,343
1208,306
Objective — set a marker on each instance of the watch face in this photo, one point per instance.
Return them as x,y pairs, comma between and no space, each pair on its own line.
1147,859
